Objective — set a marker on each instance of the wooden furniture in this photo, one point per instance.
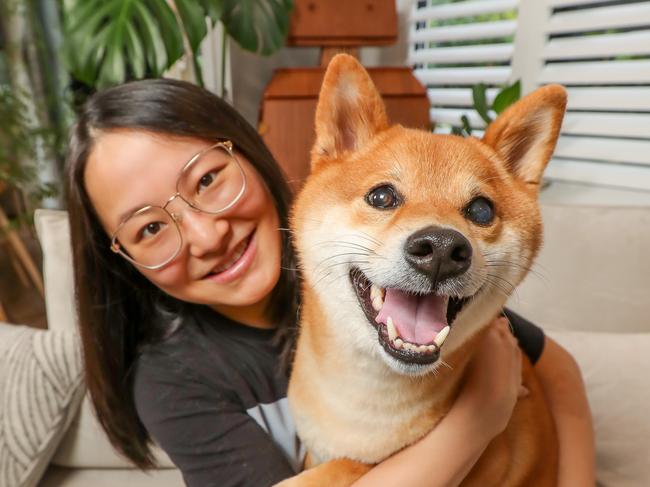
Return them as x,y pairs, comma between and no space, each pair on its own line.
19,257
335,23
290,98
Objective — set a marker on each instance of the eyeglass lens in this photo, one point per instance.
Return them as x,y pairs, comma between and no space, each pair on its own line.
211,184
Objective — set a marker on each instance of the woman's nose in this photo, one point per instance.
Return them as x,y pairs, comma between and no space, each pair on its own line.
204,233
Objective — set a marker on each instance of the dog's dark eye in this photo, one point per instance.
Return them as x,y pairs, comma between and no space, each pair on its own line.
383,197
480,211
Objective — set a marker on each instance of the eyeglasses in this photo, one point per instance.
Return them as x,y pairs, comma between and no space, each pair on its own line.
212,181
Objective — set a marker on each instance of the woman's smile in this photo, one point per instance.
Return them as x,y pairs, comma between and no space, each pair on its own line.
237,264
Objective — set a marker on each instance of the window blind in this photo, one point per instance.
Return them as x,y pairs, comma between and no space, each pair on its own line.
598,49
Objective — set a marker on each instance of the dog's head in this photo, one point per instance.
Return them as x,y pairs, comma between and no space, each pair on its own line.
412,241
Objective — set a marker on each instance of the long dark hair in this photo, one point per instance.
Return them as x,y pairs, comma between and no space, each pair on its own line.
115,302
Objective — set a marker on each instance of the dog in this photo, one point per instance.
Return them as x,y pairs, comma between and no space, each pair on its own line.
409,244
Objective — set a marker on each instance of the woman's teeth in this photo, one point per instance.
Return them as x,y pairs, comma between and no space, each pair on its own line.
377,295
239,251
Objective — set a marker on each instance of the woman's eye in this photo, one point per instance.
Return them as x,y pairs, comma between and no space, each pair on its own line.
383,197
480,211
206,180
151,229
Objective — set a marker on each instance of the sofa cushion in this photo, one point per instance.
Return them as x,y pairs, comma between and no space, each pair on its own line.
40,391
58,276
615,369
85,445
593,272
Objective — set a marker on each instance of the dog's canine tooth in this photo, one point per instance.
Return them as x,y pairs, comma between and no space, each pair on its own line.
398,343
390,327
441,336
377,303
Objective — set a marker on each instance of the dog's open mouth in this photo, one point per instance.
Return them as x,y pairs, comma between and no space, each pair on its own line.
411,328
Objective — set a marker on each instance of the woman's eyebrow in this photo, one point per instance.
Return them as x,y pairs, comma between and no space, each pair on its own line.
124,215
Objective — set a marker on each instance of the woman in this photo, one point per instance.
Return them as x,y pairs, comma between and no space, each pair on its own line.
187,295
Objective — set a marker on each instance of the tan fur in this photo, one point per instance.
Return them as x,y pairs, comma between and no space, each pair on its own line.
348,400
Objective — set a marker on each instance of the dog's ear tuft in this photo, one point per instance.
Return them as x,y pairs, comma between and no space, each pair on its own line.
350,110
524,136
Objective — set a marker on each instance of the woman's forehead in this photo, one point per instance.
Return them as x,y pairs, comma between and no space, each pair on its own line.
127,170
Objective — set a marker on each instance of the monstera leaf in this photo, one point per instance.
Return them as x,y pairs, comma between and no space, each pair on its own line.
258,26
110,41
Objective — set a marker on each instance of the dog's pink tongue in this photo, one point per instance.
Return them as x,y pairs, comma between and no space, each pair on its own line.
417,319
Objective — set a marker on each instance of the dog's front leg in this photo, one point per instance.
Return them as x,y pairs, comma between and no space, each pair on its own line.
335,473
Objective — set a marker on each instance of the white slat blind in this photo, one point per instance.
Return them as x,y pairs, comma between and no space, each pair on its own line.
598,49
455,45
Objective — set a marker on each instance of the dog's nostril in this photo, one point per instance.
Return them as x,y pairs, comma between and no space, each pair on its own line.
461,253
420,248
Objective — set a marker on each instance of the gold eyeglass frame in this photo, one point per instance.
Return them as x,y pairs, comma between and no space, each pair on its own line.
115,245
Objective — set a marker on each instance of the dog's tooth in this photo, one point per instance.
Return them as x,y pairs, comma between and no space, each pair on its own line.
398,343
377,303
390,327
441,336
376,292
431,348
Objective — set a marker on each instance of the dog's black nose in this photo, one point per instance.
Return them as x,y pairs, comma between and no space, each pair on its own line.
439,252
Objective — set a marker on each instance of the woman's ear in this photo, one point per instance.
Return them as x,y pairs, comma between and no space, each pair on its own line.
524,136
350,110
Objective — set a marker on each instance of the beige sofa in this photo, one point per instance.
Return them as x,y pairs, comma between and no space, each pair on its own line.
590,291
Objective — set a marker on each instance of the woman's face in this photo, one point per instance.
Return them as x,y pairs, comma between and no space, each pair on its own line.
227,260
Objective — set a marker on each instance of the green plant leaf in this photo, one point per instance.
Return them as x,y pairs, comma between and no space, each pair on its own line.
109,41
480,102
193,21
157,53
466,125
136,52
258,25
507,96
213,9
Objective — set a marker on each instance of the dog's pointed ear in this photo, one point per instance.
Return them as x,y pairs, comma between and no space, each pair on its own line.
524,136
350,110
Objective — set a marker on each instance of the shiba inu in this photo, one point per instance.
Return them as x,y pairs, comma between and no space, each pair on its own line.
410,243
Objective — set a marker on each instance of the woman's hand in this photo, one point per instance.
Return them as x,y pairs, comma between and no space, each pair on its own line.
493,381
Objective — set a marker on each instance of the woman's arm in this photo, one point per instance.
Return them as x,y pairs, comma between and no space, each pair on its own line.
446,455
563,387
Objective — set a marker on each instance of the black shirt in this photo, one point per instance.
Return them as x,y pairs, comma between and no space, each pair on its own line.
213,396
